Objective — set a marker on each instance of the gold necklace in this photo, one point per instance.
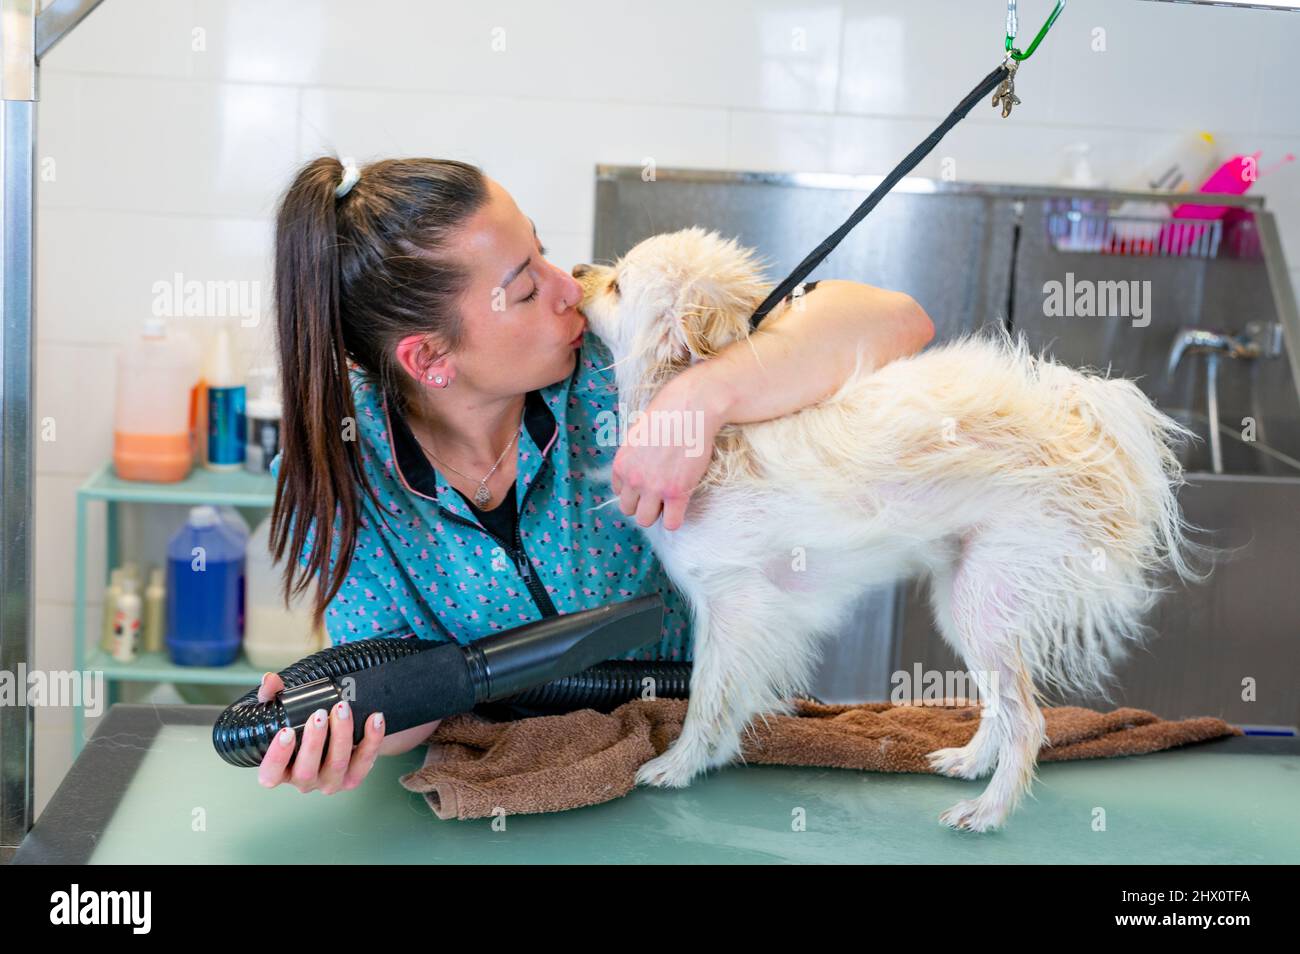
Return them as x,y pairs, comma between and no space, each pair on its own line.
482,496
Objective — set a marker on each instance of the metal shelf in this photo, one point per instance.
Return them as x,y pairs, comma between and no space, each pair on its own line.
1107,234
235,489
221,489
158,667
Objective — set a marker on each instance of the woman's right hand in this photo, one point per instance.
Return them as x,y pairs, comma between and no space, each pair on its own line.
342,768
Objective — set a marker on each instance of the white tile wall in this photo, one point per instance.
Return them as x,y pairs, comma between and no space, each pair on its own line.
168,128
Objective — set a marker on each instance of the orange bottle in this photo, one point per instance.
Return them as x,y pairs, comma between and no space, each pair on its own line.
153,412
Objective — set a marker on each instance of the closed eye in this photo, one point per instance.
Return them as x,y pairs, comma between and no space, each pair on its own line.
542,250
613,286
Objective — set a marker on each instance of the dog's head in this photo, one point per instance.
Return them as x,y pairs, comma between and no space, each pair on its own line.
672,300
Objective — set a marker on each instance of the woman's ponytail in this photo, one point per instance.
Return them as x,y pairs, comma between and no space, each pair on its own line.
353,276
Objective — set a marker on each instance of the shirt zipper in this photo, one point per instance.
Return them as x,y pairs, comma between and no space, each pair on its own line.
535,586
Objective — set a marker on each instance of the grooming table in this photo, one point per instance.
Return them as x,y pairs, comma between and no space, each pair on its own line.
150,777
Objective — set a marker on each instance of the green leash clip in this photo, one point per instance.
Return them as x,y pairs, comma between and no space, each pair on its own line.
1012,28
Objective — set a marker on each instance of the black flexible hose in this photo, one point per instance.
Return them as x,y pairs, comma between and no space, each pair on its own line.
243,733
608,685
245,730
508,670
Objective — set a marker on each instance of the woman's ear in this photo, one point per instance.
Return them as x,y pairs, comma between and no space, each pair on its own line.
418,357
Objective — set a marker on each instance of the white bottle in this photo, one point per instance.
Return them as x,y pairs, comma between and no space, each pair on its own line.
264,413
275,636
1184,167
1181,168
226,396
1076,170
154,607
153,406
112,593
126,623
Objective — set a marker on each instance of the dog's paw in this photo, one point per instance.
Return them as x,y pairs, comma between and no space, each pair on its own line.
963,762
670,770
974,814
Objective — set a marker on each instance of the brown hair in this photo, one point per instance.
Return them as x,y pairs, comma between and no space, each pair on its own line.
353,276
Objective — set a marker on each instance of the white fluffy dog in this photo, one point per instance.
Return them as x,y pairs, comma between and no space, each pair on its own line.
1040,502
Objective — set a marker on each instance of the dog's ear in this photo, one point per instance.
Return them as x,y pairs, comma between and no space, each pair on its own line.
714,306
704,331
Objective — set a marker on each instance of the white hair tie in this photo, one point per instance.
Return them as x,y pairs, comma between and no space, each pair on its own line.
350,176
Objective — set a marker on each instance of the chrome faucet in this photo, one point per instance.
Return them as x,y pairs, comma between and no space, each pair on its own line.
1262,339
1200,341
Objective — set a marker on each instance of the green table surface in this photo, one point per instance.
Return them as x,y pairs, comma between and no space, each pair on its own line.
148,788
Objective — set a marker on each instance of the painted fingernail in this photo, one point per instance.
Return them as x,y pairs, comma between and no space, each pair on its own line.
285,737
343,710
318,717
378,720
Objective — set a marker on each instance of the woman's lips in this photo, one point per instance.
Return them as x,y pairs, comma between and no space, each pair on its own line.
577,339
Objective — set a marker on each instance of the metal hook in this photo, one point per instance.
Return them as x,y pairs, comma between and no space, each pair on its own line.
1013,26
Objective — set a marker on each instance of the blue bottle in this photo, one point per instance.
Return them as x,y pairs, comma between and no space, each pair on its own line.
226,407
205,591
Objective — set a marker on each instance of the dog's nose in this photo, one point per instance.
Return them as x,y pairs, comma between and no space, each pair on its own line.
580,270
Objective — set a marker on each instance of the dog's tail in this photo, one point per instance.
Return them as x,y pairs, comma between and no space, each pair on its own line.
1122,473
1151,445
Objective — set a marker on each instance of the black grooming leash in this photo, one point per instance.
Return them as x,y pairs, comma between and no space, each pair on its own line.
995,79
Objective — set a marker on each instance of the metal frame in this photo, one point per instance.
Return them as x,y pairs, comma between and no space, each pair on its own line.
1270,241
920,184
25,37
1243,4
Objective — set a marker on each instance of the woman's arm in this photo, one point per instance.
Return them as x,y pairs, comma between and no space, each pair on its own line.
805,351
395,743
802,352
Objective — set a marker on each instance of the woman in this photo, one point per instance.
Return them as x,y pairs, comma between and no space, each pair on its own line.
441,411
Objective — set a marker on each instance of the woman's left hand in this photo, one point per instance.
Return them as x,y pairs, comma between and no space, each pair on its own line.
666,452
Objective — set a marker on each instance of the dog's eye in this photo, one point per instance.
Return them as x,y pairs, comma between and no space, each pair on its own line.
613,286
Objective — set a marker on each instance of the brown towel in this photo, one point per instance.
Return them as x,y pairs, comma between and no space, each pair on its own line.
475,767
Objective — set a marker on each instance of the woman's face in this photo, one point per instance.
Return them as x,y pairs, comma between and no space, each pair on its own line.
522,328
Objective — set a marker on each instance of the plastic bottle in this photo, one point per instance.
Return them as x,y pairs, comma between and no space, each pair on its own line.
264,412
1073,226
233,519
112,593
200,414
205,586
1076,170
1181,168
154,400
275,636
226,397
154,609
126,623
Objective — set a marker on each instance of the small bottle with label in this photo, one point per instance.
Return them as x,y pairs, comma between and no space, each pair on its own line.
226,406
154,609
112,593
126,623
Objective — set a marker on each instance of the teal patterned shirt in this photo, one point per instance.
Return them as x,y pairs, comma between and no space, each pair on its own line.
427,566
